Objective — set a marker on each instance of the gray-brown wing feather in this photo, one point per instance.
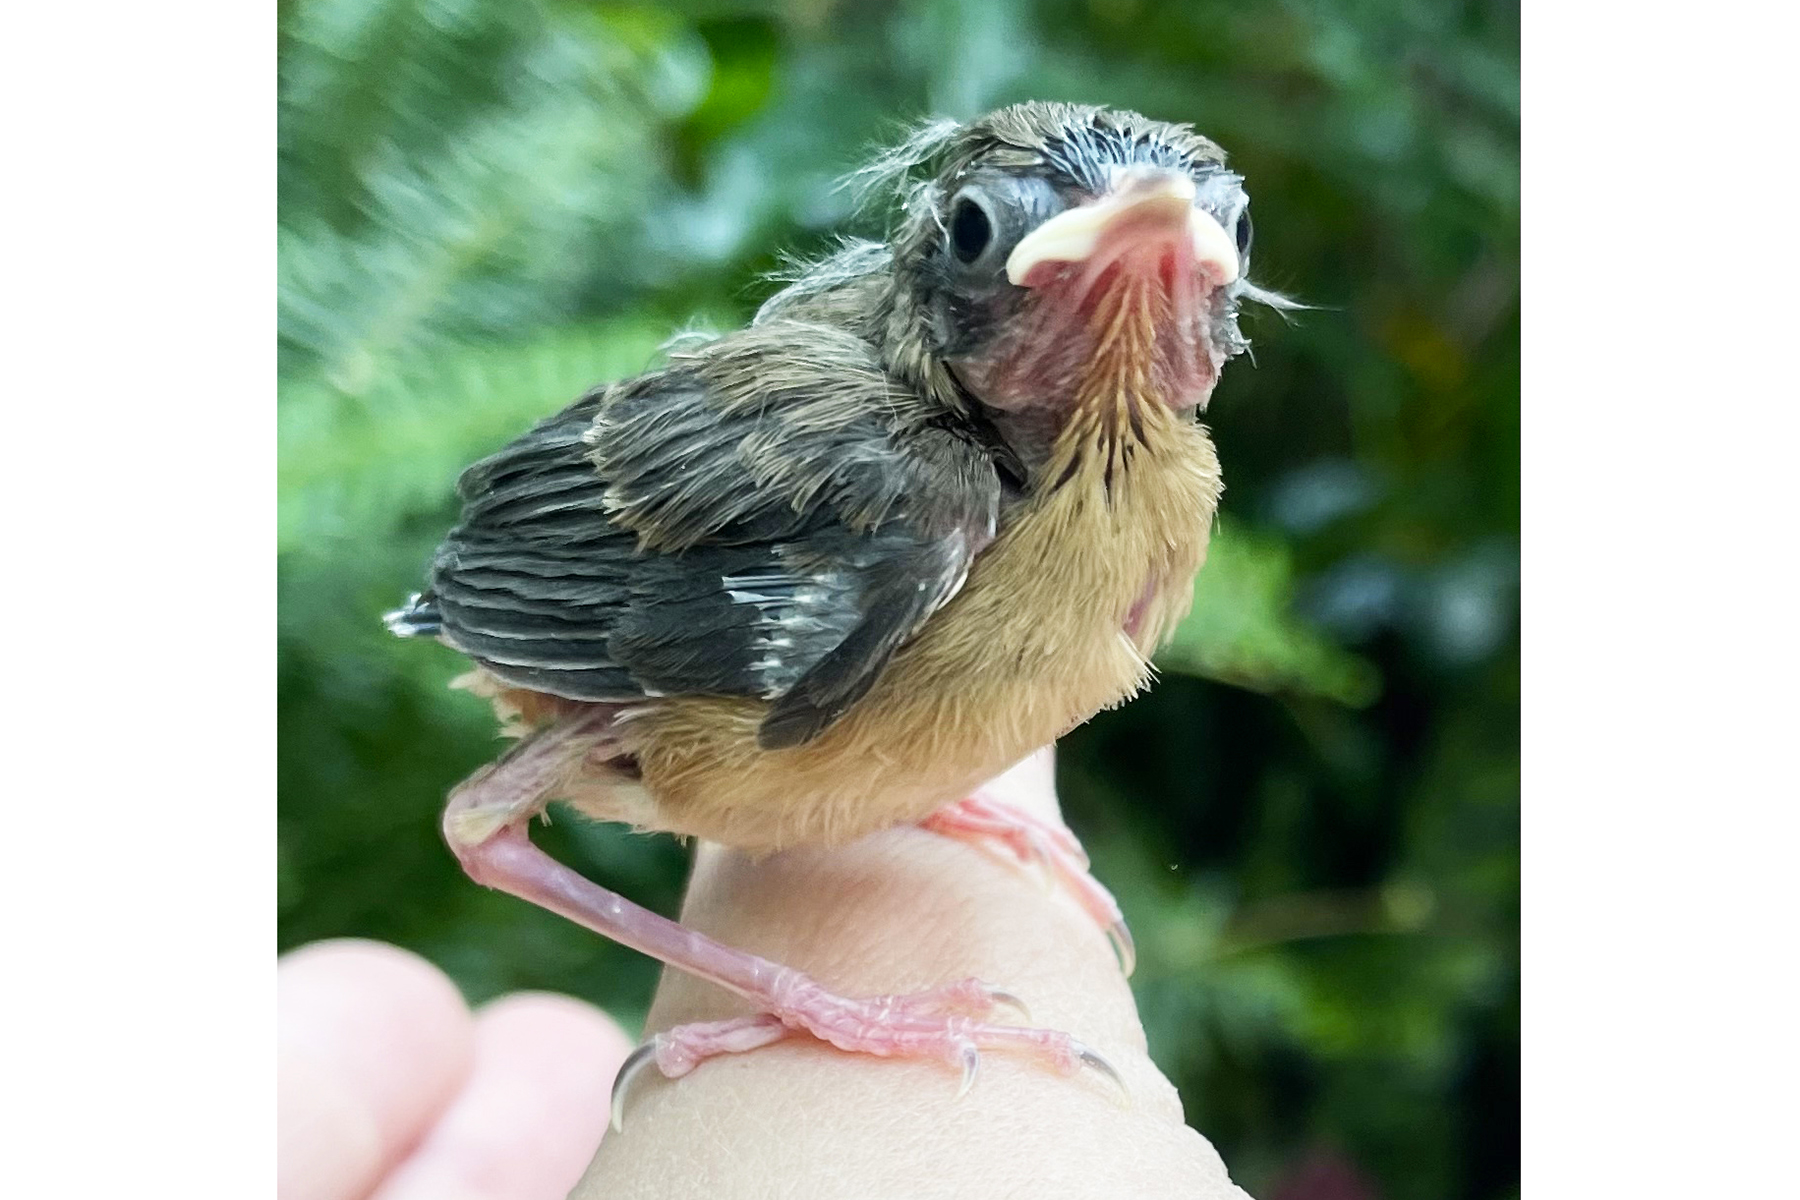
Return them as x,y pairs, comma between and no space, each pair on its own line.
771,516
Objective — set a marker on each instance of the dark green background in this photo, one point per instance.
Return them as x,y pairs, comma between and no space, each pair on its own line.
1312,823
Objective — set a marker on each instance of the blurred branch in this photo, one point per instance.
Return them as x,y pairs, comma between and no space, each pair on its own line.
1390,909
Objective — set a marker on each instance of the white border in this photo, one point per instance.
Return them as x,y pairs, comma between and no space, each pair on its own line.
138,495
1662,554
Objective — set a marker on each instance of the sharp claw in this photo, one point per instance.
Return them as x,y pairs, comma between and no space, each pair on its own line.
629,1070
1091,1059
1123,945
1002,996
971,1065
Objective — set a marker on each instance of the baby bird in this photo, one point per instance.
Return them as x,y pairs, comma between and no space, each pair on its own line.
829,574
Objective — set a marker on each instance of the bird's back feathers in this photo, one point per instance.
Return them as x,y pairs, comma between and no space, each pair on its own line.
770,516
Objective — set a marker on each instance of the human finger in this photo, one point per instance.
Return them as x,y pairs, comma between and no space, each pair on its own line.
531,1112
373,1042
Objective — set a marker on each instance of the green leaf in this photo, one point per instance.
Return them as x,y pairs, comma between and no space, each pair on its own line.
454,171
1241,630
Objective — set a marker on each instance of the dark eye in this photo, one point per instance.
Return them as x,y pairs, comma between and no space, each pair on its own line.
1244,234
970,229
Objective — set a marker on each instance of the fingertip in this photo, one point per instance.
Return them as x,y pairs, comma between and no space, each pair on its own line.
530,1117
364,961
584,1030
373,1043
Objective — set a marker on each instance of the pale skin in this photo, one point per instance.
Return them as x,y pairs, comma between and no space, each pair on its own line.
896,912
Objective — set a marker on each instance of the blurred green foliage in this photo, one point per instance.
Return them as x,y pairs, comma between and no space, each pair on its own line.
1312,823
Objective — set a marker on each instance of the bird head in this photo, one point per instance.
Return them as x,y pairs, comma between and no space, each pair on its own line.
1062,259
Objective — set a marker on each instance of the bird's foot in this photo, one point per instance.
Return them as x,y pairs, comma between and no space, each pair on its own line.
1032,839
944,1023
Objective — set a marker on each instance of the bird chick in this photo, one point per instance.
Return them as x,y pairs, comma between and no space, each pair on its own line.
829,574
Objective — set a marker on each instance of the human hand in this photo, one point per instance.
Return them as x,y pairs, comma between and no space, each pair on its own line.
898,912
390,1089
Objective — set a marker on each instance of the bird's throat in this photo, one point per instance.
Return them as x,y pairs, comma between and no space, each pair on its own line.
1100,366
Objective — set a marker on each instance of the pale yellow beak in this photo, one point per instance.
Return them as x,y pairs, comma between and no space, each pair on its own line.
1150,201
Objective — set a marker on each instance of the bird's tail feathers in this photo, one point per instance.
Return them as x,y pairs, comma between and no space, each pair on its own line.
419,617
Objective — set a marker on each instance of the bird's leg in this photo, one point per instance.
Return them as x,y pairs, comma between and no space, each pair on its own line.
515,787
1030,838
486,823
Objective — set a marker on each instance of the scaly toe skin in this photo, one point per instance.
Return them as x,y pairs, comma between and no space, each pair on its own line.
889,1029
1031,839
965,997
940,1023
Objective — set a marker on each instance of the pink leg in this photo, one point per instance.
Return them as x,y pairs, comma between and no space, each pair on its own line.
485,824
1032,839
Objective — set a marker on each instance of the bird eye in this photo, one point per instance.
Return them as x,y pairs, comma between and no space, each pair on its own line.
1244,233
971,229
